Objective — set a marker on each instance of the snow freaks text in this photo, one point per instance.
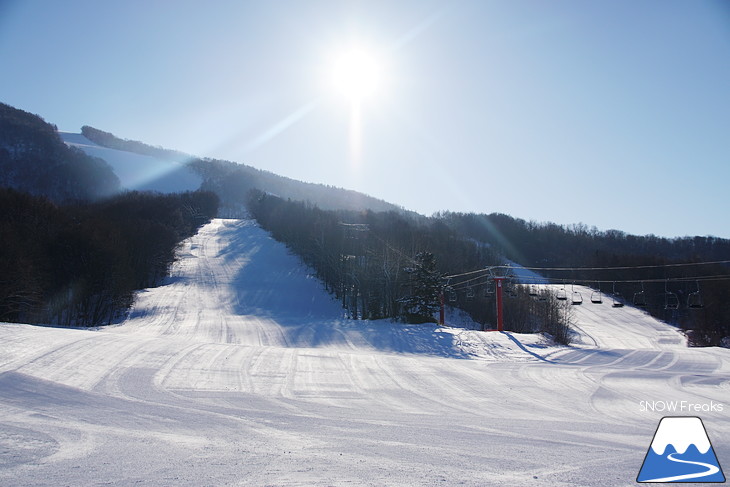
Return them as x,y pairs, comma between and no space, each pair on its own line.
681,407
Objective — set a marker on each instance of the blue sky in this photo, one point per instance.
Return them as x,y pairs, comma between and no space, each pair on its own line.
614,114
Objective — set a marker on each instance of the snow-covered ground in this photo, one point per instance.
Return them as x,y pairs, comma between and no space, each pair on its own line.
242,371
139,172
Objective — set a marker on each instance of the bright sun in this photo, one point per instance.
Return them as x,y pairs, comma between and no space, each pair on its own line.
356,74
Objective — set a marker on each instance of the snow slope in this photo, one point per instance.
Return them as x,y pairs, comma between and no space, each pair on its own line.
139,172
242,371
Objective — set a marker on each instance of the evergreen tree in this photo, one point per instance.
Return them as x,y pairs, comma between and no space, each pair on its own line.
425,285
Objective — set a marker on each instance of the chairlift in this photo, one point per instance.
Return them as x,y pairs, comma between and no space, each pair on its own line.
452,295
562,295
596,296
470,293
671,301
576,297
640,298
617,303
533,290
488,290
694,300
543,295
511,290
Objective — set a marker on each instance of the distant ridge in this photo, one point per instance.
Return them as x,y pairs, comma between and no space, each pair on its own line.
233,181
34,160
139,172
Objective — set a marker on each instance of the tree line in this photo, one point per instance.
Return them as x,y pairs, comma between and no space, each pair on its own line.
369,259
392,265
646,258
79,264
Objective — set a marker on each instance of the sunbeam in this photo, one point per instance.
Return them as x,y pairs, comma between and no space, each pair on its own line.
419,29
355,134
282,125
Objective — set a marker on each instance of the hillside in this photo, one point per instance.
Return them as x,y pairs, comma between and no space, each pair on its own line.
240,369
312,220
231,181
75,243
34,159
80,264
367,260
138,172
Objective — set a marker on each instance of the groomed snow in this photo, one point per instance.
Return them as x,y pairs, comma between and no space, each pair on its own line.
241,370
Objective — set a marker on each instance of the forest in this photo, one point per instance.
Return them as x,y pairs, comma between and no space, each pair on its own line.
369,260
73,248
392,265
79,264
664,276
34,159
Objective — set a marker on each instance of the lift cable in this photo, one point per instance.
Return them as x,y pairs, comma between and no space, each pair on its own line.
547,280
483,270
513,267
658,266
468,283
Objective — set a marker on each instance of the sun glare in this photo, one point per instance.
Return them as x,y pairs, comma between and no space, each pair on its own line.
356,74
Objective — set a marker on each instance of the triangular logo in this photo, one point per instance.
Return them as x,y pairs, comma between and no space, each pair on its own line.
681,452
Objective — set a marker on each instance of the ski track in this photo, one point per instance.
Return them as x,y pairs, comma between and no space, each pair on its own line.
240,370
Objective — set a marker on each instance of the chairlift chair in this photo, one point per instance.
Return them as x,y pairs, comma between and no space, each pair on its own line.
694,300
452,295
561,294
576,297
617,303
671,301
533,290
640,298
543,295
470,294
596,296
488,290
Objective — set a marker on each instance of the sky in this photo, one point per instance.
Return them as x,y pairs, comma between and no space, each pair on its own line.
612,114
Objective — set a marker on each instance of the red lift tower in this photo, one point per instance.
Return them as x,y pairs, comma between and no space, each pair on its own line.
498,285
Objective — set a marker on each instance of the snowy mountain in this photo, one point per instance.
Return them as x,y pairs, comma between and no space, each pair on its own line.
240,370
143,166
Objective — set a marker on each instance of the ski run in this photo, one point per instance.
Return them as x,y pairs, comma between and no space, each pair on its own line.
241,370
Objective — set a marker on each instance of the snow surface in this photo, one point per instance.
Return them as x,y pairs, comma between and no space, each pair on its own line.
241,370
139,172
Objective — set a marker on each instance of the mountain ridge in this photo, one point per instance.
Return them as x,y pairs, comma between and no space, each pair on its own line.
232,180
